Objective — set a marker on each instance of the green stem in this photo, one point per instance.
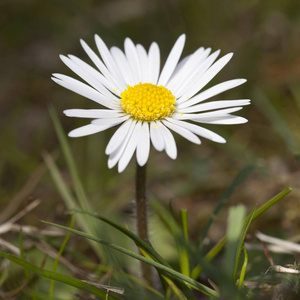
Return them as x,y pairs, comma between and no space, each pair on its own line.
141,215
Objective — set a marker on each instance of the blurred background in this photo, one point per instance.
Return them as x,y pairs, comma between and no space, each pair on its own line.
265,37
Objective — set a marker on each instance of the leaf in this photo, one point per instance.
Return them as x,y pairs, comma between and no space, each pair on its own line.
169,272
271,202
244,268
69,200
222,242
136,239
234,231
246,225
183,255
144,247
219,246
80,193
238,180
58,277
277,120
60,252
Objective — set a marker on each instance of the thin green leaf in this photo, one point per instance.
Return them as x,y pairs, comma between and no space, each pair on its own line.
184,224
142,245
219,246
58,277
80,193
245,228
222,242
60,252
59,181
171,209
27,275
170,273
209,256
235,227
69,200
243,269
169,221
184,257
178,292
167,218
136,239
271,202
276,118
238,180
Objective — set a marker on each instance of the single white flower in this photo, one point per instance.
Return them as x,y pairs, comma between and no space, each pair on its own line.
146,102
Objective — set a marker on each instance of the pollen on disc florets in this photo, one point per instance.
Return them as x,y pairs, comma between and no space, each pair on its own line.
148,102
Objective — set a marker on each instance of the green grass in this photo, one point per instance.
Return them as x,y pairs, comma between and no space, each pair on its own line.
199,234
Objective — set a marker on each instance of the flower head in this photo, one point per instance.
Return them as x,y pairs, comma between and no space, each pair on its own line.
147,103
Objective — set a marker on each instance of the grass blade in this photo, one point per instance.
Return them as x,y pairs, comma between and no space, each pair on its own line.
145,248
58,277
169,272
276,119
213,252
60,252
271,202
69,200
219,246
183,252
167,218
243,270
22,253
137,240
235,227
70,161
246,225
238,180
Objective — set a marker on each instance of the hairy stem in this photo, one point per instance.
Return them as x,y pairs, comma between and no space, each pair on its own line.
141,215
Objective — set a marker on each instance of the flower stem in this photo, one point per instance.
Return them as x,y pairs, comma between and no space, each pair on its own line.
141,215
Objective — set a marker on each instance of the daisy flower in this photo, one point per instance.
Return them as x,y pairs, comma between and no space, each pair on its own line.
148,103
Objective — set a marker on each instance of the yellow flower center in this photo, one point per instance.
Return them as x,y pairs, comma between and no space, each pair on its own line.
148,102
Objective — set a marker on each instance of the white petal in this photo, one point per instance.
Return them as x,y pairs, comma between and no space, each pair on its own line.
186,67
108,59
110,121
130,148
94,78
116,155
118,86
93,113
143,147
185,89
213,91
118,137
170,145
143,58
85,75
183,132
199,131
87,130
225,120
221,112
178,68
213,105
172,61
210,74
133,60
83,90
153,63
123,65
182,64
156,137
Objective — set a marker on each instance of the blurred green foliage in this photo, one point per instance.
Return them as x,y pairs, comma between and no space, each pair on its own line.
264,35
